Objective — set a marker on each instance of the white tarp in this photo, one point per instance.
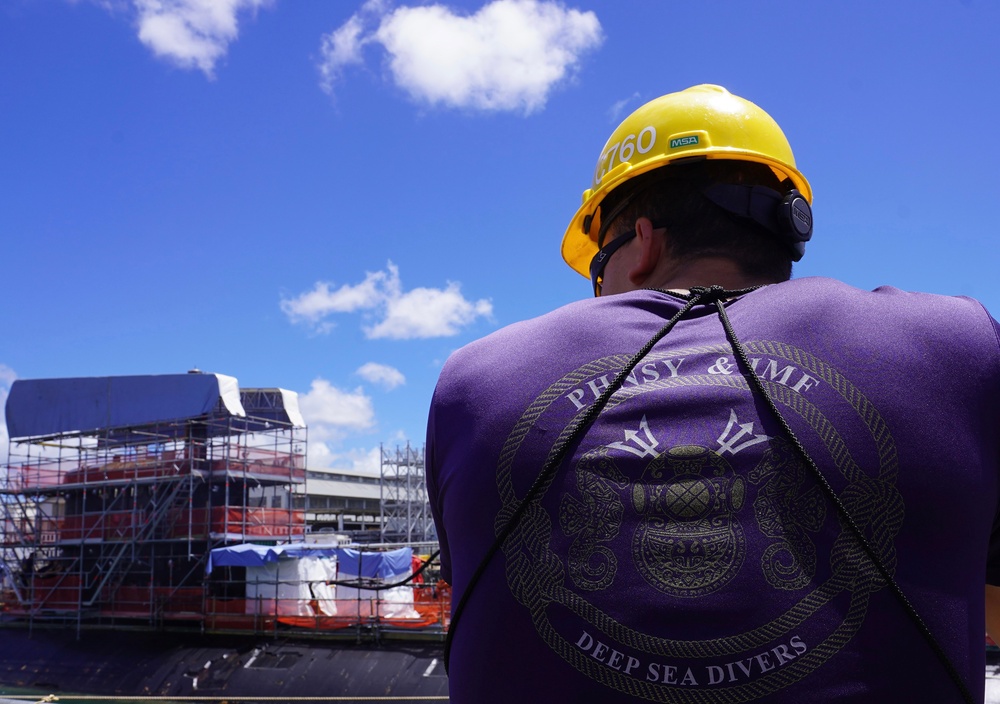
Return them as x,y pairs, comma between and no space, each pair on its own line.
287,580
293,587
392,603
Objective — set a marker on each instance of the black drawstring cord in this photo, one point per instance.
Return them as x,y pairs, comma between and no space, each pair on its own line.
717,295
550,466
847,518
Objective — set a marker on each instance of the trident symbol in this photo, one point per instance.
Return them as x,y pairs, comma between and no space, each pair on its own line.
648,447
744,430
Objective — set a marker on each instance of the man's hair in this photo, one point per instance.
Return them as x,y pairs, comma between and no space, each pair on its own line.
672,197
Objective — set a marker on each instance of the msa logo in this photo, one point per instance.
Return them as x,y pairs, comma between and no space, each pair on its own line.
683,141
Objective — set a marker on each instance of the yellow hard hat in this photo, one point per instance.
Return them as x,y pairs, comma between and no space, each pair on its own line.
702,121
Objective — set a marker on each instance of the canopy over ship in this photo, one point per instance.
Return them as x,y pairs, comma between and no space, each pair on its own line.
163,504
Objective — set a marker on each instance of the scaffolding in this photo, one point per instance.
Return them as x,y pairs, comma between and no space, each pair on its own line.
405,510
115,521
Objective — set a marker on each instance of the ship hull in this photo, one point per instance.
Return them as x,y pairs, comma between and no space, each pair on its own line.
176,664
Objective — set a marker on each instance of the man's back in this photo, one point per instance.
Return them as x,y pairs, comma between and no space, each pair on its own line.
684,552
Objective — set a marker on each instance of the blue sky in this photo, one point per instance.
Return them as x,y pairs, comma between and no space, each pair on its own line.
331,197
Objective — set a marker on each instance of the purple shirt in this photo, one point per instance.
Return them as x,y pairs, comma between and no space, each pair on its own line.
683,552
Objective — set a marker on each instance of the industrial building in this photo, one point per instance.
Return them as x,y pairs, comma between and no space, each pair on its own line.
388,505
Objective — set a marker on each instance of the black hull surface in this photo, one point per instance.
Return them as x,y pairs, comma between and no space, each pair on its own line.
169,664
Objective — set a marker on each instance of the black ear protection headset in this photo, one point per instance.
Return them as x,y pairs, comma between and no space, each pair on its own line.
787,216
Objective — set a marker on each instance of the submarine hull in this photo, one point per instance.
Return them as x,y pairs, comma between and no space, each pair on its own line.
170,664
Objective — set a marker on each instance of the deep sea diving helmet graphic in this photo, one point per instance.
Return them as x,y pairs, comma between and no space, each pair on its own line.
688,542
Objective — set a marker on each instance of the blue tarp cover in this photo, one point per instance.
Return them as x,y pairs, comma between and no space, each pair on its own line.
382,565
43,407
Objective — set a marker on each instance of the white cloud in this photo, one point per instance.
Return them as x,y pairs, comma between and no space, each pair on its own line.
343,46
359,460
420,313
333,409
508,56
385,376
340,48
191,33
616,110
362,461
318,454
313,306
7,377
397,450
428,312
331,415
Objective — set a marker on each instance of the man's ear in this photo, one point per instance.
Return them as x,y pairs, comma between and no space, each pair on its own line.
651,250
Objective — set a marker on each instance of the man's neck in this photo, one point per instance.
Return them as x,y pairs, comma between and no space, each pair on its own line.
706,271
